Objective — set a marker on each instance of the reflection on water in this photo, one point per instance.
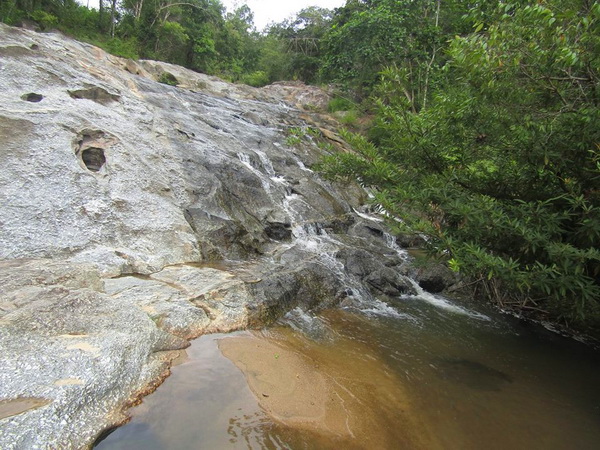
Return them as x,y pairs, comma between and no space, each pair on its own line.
469,383
205,404
471,373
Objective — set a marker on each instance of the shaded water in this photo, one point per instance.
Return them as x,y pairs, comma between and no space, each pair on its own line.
418,375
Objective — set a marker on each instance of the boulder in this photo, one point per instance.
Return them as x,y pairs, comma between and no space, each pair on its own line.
382,274
435,277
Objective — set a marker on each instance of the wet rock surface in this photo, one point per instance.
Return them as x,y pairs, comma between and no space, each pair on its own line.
435,277
135,216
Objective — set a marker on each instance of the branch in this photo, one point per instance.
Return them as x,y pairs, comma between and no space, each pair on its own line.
193,5
551,87
162,8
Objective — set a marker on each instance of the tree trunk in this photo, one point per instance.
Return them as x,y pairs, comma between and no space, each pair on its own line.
100,15
137,10
112,18
426,87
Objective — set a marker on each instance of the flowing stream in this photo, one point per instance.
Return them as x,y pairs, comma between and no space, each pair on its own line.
421,371
428,374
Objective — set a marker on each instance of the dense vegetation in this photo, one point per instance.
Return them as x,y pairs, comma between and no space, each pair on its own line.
197,34
485,135
488,143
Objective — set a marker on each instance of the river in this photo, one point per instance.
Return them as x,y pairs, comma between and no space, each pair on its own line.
422,372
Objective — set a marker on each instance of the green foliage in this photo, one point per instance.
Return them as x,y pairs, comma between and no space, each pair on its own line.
126,48
256,79
298,40
295,136
168,78
340,104
500,168
273,58
45,20
313,132
367,36
10,12
292,141
171,38
349,118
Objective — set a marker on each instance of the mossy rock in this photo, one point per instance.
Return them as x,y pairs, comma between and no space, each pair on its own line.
168,78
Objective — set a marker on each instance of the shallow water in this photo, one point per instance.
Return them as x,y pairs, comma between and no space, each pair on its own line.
416,373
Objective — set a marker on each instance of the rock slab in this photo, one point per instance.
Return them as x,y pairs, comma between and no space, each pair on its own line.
135,216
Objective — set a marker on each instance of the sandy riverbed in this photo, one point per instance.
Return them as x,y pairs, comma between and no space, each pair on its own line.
338,395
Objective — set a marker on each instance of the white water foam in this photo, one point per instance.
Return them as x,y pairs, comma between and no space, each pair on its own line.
266,162
303,167
379,308
278,179
443,303
367,217
245,160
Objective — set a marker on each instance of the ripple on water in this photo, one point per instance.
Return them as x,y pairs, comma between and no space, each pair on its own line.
445,381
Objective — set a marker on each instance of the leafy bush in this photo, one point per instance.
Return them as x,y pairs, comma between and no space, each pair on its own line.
256,79
47,21
502,168
349,118
126,48
295,136
340,104
9,13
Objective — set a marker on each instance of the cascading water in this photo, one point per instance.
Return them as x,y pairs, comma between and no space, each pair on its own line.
441,302
245,160
309,236
315,241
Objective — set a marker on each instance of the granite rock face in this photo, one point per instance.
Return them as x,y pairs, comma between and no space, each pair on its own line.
135,216
118,169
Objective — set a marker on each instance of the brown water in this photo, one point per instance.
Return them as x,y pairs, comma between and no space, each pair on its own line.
422,377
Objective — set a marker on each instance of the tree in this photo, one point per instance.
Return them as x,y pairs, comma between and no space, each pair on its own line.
368,36
113,10
300,39
502,167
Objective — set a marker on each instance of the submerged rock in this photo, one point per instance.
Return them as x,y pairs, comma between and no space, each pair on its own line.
472,374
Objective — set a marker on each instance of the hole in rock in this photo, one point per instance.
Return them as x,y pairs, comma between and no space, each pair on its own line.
93,158
94,93
32,97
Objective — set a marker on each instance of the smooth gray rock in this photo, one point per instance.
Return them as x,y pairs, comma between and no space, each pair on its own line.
435,278
135,216
113,168
84,352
